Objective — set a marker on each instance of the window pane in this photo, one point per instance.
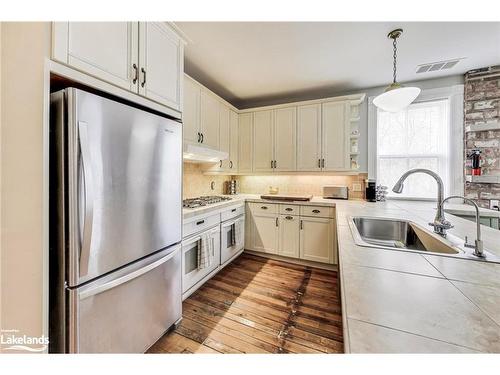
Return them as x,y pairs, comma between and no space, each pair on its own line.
390,170
414,138
391,133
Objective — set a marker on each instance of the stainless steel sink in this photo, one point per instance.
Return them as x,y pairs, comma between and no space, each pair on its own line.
404,235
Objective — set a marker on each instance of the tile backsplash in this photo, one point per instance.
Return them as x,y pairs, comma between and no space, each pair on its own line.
195,183
299,184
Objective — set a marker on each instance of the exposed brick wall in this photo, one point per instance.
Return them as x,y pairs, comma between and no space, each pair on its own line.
482,106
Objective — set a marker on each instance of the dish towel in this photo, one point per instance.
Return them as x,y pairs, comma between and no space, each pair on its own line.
238,232
205,250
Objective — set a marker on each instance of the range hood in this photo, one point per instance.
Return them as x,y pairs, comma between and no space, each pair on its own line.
200,154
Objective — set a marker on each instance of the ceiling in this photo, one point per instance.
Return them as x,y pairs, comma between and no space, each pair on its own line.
255,62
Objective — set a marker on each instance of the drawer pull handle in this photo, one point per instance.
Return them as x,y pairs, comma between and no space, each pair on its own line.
288,209
289,217
316,211
277,221
264,207
200,222
233,210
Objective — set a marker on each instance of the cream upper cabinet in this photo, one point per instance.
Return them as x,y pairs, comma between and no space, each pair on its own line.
107,50
245,135
209,115
233,142
289,236
161,61
285,139
224,134
317,239
191,111
143,57
335,136
263,136
309,137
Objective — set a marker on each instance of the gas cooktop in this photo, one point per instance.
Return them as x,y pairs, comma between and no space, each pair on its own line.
203,201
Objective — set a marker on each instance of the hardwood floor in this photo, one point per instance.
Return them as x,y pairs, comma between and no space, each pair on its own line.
259,305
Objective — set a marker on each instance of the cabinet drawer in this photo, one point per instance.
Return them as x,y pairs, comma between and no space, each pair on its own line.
317,211
263,208
232,212
197,224
288,209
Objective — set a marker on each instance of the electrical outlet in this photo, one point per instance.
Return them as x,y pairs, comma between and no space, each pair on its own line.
356,187
494,204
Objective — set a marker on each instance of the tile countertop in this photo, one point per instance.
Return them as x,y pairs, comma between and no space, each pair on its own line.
404,302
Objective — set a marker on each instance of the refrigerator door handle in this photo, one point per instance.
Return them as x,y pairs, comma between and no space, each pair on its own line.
89,199
126,277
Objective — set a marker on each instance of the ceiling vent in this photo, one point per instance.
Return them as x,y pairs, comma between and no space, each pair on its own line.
437,66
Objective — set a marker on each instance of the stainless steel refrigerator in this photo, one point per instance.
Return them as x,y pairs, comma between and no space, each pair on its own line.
115,224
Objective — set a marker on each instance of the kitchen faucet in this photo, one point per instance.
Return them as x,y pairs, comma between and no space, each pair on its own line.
440,224
478,246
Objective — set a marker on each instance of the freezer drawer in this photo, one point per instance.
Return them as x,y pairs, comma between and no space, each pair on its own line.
128,310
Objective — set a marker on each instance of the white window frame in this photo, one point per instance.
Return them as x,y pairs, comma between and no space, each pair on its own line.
455,96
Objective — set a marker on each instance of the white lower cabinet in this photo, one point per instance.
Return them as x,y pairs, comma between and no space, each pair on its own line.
272,231
264,233
289,236
317,239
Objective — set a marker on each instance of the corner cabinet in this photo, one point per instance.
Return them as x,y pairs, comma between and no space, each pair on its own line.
143,57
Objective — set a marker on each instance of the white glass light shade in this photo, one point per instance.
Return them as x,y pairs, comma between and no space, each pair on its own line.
396,99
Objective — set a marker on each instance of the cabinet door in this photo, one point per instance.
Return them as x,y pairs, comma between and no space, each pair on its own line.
209,114
191,111
265,233
285,139
245,142
263,155
308,137
289,236
224,134
317,239
233,144
335,135
106,50
161,60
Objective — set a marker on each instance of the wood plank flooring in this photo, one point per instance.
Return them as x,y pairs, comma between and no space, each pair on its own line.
259,305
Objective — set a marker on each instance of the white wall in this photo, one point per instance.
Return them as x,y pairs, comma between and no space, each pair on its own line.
25,46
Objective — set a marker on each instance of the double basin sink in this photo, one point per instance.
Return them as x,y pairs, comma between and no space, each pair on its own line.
395,234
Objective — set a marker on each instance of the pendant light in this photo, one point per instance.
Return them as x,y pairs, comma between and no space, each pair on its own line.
396,97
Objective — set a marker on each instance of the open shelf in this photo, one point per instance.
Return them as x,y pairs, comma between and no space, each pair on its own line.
483,127
484,179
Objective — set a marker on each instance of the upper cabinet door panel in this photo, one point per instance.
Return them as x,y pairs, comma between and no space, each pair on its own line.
285,139
245,135
209,114
224,133
233,144
308,137
335,128
191,111
161,61
263,141
106,50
